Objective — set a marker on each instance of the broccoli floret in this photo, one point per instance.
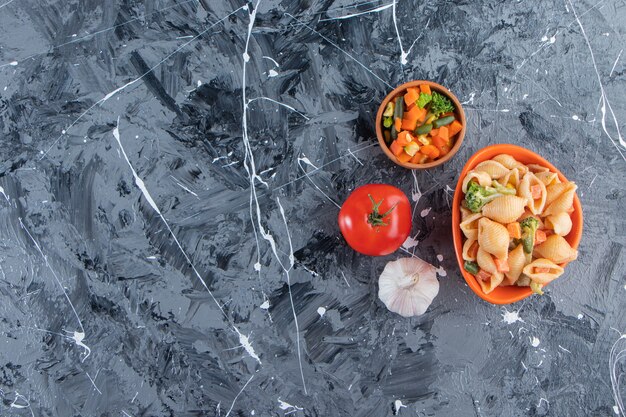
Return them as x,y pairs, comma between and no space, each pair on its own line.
529,226
440,104
477,196
536,287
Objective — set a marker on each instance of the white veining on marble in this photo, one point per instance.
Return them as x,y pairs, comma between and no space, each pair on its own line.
280,104
6,3
349,16
605,101
308,162
271,59
510,317
403,54
284,405
93,381
615,63
238,394
183,187
4,194
341,49
397,405
243,339
345,279
128,84
617,355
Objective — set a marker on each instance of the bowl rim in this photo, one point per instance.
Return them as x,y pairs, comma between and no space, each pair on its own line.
460,112
480,156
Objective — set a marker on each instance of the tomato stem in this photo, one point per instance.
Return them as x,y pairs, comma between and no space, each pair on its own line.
375,218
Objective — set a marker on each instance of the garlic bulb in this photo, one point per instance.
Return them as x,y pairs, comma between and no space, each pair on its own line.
407,286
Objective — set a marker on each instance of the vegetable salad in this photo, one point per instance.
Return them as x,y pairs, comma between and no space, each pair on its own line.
420,126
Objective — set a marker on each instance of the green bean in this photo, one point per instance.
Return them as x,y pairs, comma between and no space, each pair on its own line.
444,121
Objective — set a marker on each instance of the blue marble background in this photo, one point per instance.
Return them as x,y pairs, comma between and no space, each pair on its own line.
171,172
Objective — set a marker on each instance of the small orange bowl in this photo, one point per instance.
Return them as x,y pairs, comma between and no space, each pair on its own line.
509,294
458,113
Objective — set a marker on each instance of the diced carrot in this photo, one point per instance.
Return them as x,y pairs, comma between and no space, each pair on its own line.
443,132
434,132
419,158
425,88
444,150
540,237
404,157
483,275
396,148
398,124
431,151
438,141
404,138
515,231
408,124
502,265
535,192
411,96
454,128
540,270
411,106
473,250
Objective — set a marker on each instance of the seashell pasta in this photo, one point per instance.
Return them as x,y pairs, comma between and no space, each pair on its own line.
515,218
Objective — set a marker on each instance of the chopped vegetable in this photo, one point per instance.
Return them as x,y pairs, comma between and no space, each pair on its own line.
389,109
423,100
444,121
411,117
471,267
477,196
502,189
387,135
502,265
425,88
535,192
404,157
541,270
431,151
423,129
529,226
404,138
439,142
540,237
454,128
419,158
515,231
473,250
536,287
443,132
434,132
388,122
483,275
394,132
396,148
424,140
430,118
412,148
440,104
397,123
398,111
411,96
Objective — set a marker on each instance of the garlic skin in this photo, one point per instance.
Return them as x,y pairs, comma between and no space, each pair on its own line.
407,286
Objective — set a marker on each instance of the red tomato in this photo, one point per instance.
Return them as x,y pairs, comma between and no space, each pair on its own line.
375,219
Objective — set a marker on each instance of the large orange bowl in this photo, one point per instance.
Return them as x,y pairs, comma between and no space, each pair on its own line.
510,294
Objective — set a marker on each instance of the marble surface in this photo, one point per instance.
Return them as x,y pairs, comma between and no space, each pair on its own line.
171,173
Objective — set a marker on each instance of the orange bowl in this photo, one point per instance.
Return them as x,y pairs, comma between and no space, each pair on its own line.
509,294
458,113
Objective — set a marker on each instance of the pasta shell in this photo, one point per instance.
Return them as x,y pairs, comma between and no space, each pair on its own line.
482,178
534,168
561,223
469,226
517,260
524,190
554,271
510,162
466,250
486,263
505,209
555,190
493,238
512,178
563,202
491,284
556,249
548,177
465,213
493,168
